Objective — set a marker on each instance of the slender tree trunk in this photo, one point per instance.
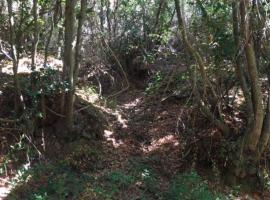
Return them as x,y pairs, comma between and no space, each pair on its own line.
14,54
101,16
197,57
69,59
238,66
47,44
35,35
56,14
257,100
144,26
115,25
108,17
189,47
160,7
264,139
60,44
258,131
78,48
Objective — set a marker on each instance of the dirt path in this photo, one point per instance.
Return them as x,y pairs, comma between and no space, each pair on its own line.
146,128
140,144
138,157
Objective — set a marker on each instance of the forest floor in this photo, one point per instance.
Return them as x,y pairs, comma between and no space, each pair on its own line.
139,143
140,157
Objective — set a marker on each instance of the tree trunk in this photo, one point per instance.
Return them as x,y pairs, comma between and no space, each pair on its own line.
160,7
115,25
101,16
35,35
238,67
78,56
257,100
69,59
264,139
197,57
108,17
258,132
19,103
48,41
60,43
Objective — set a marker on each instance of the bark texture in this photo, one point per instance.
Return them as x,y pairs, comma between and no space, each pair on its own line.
69,59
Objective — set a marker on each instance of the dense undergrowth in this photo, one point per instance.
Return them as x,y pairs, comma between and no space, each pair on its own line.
138,181
89,167
134,99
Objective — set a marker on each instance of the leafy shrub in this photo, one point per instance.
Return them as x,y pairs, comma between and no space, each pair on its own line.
155,84
83,158
94,193
190,186
108,186
147,180
119,179
49,181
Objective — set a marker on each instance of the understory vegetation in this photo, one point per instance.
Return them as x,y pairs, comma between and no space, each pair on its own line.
134,99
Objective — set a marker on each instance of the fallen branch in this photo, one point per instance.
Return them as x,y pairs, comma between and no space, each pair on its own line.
9,129
30,141
83,108
4,52
8,120
55,113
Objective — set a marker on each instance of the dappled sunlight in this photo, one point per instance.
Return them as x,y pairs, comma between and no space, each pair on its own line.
117,114
236,96
5,188
134,100
9,182
24,65
120,119
109,136
132,104
158,143
87,94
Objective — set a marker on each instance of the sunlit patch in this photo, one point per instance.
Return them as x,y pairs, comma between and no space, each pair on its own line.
4,188
117,114
153,130
25,65
121,120
109,136
236,95
169,139
132,104
7,184
237,119
87,94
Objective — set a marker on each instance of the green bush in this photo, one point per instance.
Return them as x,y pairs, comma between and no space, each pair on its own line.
49,181
119,179
155,84
190,186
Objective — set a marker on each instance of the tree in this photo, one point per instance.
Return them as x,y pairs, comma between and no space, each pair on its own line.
69,59
35,34
257,130
19,102
202,101
72,53
257,135
55,14
78,56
